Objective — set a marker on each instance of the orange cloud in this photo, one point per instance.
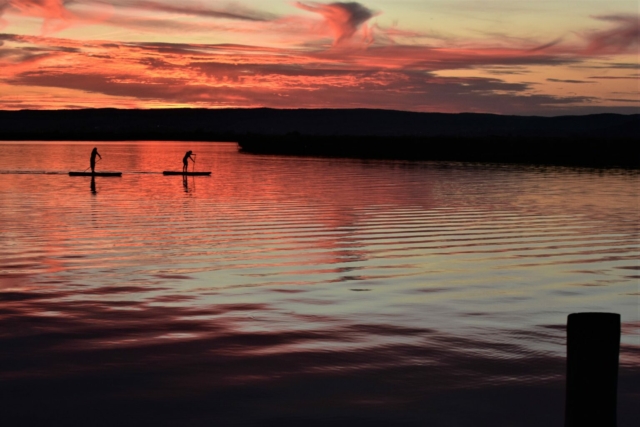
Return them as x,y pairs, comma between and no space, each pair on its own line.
300,71
229,75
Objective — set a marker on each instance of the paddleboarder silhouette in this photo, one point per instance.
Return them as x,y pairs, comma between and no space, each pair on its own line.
185,161
94,153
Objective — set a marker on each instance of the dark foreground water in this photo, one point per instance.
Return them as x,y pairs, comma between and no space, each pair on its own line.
303,291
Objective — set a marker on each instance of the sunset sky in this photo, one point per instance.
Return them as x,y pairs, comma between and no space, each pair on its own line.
498,56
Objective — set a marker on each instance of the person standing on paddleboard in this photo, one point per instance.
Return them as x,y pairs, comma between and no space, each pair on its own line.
185,161
94,153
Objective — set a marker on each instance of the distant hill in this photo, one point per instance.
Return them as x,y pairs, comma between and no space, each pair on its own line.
205,124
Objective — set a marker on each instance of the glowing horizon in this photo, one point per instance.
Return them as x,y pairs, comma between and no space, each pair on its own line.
497,56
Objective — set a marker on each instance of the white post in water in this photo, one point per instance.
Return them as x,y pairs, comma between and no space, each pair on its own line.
593,347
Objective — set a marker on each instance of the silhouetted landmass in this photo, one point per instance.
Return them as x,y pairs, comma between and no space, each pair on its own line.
120,124
593,140
592,152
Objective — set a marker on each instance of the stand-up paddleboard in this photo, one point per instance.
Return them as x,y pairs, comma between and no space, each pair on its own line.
186,173
95,174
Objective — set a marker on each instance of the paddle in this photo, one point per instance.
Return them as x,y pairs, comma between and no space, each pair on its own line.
194,162
90,166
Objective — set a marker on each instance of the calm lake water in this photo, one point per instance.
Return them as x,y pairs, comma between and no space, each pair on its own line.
304,291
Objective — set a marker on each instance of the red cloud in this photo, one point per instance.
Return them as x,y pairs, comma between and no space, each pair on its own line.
344,19
624,37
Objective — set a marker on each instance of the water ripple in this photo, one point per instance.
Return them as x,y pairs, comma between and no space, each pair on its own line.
427,279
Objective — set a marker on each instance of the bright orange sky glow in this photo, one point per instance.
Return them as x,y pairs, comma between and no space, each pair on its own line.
496,56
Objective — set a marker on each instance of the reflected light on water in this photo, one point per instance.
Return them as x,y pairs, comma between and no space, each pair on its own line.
291,290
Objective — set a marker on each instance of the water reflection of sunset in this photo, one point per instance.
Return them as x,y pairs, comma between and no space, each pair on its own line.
278,275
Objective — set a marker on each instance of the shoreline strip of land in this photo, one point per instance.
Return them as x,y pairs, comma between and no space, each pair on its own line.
600,140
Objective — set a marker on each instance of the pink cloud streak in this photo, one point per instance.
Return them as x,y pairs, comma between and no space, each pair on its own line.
624,37
53,12
57,16
344,19
230,11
